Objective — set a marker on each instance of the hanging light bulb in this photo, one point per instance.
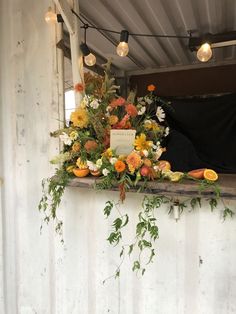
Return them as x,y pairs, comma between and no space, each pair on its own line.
123,48
50,16
53,18
89,58
204,53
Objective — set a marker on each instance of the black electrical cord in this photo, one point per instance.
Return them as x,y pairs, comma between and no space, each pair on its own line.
131,34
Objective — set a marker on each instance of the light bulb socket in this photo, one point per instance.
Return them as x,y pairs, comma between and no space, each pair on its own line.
85,49
124,36
60,18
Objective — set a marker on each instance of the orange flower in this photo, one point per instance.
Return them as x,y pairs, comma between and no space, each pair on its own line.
117,102
76,147
123,123
120,166
134,161
113,119
79,87
131,110
151,88
90,146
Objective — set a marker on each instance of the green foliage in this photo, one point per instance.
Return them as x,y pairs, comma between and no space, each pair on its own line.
213,203
108,208
53,189
227,213
147,231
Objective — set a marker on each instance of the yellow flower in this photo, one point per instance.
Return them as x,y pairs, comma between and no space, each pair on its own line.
70,169
140,142
73,135
79,118
155,126
148,124
81,164
108,153
113,119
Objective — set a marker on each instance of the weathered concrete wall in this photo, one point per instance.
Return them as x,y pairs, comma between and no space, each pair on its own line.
195,268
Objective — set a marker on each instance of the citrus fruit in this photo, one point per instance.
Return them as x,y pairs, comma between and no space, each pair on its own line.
80,172
197,173
96,173
176,176
210,175
164,165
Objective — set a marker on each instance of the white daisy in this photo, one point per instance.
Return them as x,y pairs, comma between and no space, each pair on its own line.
141,111
160,114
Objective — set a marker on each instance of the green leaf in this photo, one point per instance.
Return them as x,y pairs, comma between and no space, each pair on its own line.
136,266
117,223
122,251
117,275
151,256
107,210
195,201
126,221
131,247
139,228
154,232
227,212
213,203
114,238
143,271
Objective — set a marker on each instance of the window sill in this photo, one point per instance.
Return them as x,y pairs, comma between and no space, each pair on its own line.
188,188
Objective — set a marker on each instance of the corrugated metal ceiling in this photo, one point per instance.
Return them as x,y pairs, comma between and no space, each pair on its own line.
164,17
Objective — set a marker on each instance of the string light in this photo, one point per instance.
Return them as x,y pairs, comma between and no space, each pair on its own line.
123,48
52,18
89,58
204,53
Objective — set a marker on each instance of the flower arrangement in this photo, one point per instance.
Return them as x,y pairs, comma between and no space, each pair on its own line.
88,151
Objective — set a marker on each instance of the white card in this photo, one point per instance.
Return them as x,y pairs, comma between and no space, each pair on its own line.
122,141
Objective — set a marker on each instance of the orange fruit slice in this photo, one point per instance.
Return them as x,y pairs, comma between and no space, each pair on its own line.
80,172
95,173
210,175
197,173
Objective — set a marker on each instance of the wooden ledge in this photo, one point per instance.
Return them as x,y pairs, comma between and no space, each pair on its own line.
188,188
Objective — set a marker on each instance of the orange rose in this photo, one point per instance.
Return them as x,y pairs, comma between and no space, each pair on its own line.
120,166
151,88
